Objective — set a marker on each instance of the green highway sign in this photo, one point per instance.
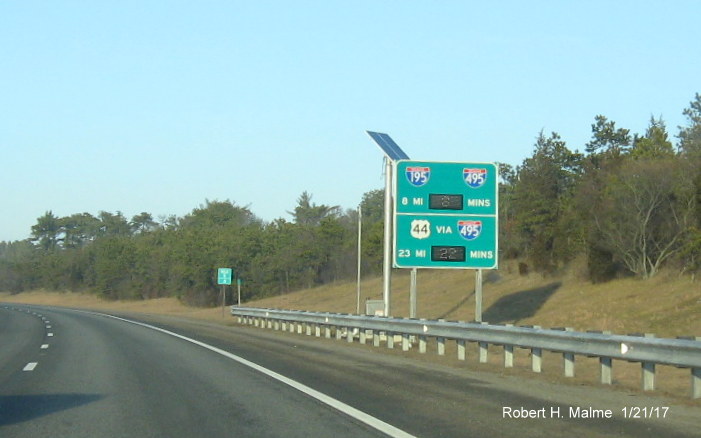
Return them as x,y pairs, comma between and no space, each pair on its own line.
224,275
445,215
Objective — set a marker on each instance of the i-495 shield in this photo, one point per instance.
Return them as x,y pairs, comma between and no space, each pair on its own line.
469,230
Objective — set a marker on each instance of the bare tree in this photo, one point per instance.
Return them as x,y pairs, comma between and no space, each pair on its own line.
645,213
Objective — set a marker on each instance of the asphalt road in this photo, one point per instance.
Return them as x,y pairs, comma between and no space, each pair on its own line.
67,373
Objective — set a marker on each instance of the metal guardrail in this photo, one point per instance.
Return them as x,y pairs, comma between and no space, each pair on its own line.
643,348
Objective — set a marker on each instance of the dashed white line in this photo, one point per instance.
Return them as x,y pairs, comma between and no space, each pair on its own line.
44,346
49,334
30,366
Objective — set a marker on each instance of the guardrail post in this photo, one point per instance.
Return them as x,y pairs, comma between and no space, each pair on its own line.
508,353
508,356
390,340
536,357
350,334
422,344
405,342
309,330
536,360
376,338
568,359
606,373
648,371
483,352
695,371
461,348
441,346
317,330
605,363
339,333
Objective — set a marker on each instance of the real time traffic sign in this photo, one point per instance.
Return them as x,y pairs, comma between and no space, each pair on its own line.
224,276
445,215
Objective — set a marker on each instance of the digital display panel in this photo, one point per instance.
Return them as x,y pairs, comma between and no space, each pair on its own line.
448,253
438,201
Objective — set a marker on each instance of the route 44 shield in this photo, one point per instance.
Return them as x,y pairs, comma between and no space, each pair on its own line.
420,229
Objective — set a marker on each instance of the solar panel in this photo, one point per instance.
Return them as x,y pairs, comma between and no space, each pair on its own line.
388,146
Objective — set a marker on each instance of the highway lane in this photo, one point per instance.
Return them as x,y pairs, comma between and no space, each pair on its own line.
140,389
431,400
102,377
21,336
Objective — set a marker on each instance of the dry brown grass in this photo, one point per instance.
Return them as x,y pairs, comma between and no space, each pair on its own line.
667,305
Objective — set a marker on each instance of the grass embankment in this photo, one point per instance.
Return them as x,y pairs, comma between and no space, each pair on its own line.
668,305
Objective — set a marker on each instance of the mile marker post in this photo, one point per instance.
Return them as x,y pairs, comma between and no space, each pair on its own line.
223,299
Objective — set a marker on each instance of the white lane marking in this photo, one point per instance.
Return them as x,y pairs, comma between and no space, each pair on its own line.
30,366
330,401
48,326
44,346
49,334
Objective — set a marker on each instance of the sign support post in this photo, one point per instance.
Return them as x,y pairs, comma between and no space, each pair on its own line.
388,247
478,295
412,294
360,235
393,153
223,299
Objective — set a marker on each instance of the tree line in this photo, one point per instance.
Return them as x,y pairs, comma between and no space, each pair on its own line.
629,204
143,258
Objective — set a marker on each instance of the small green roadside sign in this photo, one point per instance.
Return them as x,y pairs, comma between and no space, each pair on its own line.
224,275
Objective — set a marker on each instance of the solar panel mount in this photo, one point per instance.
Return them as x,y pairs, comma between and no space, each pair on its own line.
388,146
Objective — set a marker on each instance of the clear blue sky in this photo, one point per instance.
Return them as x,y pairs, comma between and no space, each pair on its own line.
156,106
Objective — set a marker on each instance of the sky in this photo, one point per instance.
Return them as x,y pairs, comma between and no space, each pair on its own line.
159,106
